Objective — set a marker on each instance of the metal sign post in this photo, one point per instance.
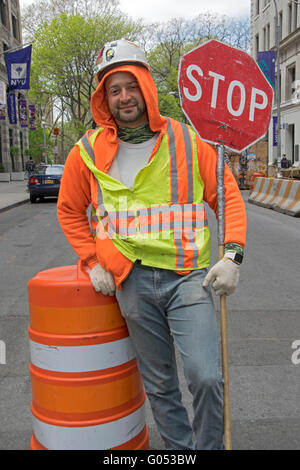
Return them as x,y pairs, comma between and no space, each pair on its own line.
223,307
228,100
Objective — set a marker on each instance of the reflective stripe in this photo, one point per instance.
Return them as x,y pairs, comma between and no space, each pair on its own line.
189,162
153,219
123,222
88,148
174,179
81,358
179,237
99,437
174,195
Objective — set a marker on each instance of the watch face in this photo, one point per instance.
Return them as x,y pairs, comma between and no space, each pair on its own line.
238,257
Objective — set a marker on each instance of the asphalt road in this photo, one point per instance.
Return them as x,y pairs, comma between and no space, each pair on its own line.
263,322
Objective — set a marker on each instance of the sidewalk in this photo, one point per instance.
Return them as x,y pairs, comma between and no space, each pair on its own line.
13,194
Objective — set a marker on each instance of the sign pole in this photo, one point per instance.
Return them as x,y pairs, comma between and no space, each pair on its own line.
223,307
228,113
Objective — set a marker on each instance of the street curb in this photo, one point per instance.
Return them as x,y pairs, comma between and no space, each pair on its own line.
16,204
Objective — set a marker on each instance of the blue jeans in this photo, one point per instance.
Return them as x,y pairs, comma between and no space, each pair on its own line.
162,308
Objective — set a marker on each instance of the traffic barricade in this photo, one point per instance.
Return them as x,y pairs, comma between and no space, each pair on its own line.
87,392
283,194
255,175
265,190
274,192
257,189
291,204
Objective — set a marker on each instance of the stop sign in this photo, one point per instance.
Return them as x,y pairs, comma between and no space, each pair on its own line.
225,95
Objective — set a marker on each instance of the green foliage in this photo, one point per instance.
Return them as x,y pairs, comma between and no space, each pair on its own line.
14,150
36,143
67,44
64,58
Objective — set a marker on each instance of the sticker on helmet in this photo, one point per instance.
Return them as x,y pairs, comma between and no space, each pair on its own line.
100,56
109,54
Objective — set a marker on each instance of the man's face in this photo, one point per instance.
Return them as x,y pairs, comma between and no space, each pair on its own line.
125,100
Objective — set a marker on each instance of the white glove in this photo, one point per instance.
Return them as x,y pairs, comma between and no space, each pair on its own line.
102,280
223,276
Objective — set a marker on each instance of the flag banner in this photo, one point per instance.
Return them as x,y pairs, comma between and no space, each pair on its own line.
31,109
275,133
23,113
18,68
266,61
12,112
2,100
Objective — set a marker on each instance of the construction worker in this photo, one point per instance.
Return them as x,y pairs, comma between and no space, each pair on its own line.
147,241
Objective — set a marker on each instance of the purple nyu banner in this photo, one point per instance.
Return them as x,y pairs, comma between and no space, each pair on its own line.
23,113
275,134
266,61
31,109
12,111
18,68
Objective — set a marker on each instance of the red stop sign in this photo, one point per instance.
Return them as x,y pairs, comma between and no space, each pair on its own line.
225,95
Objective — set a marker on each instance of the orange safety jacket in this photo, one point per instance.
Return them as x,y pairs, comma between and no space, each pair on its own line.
164,225
79,187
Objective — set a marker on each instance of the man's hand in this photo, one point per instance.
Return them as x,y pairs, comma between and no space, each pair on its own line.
102,280
223,276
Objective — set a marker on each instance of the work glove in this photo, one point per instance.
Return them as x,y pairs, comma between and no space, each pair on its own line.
102,280
223,276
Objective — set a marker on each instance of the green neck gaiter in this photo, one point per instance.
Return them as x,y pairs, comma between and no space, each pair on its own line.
137,135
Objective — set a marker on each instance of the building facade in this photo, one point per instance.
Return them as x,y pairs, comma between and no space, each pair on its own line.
263,38
13,138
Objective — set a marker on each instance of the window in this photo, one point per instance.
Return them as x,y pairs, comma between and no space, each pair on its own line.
280,25
15,27
256,44
267,37
257,7
3,12
49,170
290,81
297,153
290,18
275,95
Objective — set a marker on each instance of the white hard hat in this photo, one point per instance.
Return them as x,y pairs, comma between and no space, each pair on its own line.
117,53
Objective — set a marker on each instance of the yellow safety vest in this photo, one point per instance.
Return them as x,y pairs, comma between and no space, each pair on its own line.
162,220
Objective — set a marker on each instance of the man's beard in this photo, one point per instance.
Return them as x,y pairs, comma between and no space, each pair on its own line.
121,116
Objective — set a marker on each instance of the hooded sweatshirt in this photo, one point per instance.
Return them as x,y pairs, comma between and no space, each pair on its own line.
79,187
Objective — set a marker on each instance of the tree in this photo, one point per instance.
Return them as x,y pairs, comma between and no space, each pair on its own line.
43,11
64,58
167,42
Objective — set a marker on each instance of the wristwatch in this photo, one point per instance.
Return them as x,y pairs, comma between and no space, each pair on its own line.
234,256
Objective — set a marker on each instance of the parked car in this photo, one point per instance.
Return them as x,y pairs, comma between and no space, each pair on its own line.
45,181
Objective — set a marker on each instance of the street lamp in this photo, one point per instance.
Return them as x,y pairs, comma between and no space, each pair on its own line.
278,89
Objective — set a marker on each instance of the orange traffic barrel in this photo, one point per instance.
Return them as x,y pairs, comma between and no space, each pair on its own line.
87,392
256,174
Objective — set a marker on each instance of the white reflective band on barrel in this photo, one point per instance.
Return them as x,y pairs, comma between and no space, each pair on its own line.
81,358
99,437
